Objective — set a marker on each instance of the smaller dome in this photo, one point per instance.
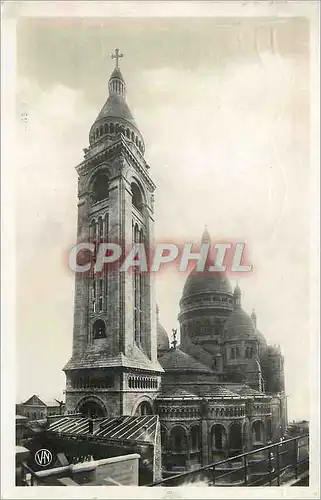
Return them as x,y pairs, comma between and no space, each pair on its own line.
178,361
162,338
239,325
261,338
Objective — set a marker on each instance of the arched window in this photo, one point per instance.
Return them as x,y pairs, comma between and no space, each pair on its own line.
99,329
106,128
137,199
128,132
112,128
101,130
144,409
258,432
133,136
218,437
100,187
178,438
235,436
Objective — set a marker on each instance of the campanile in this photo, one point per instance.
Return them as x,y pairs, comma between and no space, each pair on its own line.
114,369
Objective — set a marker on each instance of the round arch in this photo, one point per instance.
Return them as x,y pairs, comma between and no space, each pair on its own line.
235,436
103,168
258,432
218,436
139,402
132,179
91,407
179,439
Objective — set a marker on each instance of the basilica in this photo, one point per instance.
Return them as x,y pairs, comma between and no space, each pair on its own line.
217,393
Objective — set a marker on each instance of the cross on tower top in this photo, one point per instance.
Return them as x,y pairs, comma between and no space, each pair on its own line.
117,56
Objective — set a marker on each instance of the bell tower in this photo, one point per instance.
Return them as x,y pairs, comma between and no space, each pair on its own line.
114,369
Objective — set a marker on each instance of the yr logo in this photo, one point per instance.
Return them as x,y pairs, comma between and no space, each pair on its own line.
43,457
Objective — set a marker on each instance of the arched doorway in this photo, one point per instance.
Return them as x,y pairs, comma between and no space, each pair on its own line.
235,438
258,433
91,408
218,441
144,408
179,448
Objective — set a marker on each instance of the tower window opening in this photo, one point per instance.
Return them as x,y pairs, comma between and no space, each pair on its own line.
99,329
133,136
101,130
100,295
112,128
137,199
128,133
106,129
100,187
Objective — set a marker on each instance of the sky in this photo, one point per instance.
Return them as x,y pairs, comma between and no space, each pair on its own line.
223,106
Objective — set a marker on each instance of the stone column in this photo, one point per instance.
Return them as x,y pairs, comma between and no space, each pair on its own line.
206,451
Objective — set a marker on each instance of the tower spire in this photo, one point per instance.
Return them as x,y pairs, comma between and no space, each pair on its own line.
237,296
206,238
254,317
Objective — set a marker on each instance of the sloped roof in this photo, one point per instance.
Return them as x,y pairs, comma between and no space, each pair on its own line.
177,360
173,393
245,390
94,357
116,107
128,428
221,391
34,401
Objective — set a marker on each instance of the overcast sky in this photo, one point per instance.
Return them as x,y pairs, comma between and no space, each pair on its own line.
223,106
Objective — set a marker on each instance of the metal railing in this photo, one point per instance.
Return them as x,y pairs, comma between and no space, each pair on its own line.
273,465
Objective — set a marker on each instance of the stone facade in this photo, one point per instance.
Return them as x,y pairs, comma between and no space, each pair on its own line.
114,363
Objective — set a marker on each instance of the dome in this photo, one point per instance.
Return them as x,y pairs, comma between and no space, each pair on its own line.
206,281
162,338
239,325
116,107
261,338
178,361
